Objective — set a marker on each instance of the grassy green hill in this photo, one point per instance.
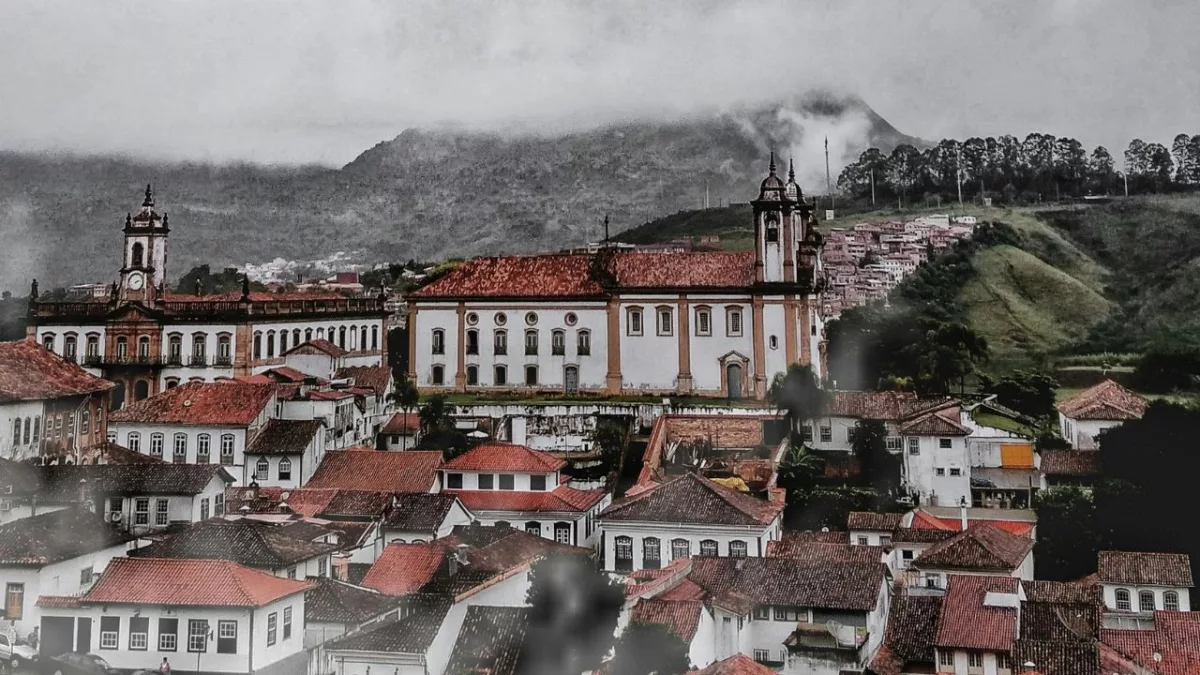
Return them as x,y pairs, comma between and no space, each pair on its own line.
1119,277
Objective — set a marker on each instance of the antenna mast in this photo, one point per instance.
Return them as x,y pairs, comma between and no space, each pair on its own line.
606,229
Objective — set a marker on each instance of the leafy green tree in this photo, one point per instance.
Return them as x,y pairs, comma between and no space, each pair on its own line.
798,394
880,468
201,280
1066,542
1029,393
1179,153
609,439
437,429
649,649
404,393
1158,166
1168,368
905,167
573,606
1100,170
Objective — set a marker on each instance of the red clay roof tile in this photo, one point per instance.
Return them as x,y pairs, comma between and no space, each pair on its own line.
1148,569
691,498
29,372
404,568
194,583
504,457
1105,401
1172,647
967,623
738,664
561,499
365,469
207,403
982,546
402,423
681,617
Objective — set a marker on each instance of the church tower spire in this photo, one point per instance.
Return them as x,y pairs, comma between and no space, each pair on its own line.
144,267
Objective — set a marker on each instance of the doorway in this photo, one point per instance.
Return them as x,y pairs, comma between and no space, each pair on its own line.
83,635
733,380
571,379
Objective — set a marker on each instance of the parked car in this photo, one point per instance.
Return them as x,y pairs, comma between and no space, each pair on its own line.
13,653
77,664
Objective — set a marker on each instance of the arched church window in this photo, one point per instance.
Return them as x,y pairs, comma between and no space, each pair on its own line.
772,223
137,255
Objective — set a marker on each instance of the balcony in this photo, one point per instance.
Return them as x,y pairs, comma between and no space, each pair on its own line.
224,361
530,350
584,350
558,350
198,361
126,360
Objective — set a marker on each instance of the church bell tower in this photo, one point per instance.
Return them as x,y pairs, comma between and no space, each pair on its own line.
781,221
144,270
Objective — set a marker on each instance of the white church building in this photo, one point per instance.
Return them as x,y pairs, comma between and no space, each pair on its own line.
719,324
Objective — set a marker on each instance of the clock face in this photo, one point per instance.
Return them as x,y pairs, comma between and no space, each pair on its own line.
136,281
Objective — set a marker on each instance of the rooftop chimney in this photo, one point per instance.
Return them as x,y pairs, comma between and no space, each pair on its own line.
962,512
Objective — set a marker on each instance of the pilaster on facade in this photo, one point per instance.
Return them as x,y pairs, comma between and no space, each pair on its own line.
460,374
684,382
760,365
789,329
613,378
412,341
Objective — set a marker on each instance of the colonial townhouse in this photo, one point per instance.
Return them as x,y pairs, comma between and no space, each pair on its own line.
687,516
401,432
286,453
1005,468
1141,583
48,404
1083,416
506,484
334,608
248,543
440,581
935,466
810,614
414,518
54,553
716,324
211,616
146,338
834,430
978,625
373,470
983,550
197,423
139,498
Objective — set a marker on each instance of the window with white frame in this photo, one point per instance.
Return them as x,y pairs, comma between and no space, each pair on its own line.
680,548
156,445
272,628
737,549
285,469
262,469
955,471
438,344
945,443
762,655
789,614
168,635
733,322
562,533
975,659
141,511
139,631
894,443
322,566
914,446
1146,601
558,342
826,434
708,547
500,342
219,504
227,449
703,321
179,449
583,343
531,342
665,323
197,635
204,508
110,632
227,637
945,657
161,512
203,443
634,321
1171,601
651,553
287,623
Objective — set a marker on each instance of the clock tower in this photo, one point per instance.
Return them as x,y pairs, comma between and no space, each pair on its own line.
144,271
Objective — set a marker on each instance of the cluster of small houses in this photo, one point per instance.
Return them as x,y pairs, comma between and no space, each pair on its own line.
895,250
252,526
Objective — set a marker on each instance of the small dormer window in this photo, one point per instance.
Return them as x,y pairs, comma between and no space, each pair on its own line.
537,483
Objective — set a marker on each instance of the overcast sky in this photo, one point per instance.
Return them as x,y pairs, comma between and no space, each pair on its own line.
307,81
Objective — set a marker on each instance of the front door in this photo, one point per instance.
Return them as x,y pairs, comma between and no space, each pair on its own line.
733,378
571,379
83,635
58,636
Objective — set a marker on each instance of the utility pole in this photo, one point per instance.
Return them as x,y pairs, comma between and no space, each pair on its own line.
606,229
872,187
706,195
958,156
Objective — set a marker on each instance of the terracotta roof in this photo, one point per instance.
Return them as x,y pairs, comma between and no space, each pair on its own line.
850,586
504,457
966,622
192,583
830,537
1060,592
356,503
982,546
207,403
738,664
375,378
402,423
422,617
490,641
28,371
356,572
881,405
323,346
920,535
240,541
1070,462
284,437
799,549
365,469
561,499
62,482
56,536
717,269
333,601
681,617
514,549
558,275
693,499
1059,657
867,520
933,424
1145,569
404,568
1175,639
1105,401
111,453
911,629
418,512
257,296
1060,621
923,520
